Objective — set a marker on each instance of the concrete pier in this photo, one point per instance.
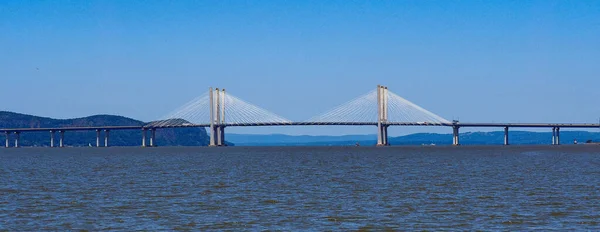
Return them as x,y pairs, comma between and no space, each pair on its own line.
505,135
97,138
385,116
455,135
221,136
222,119
379,117
212,131
382,108
106,137
143,137
217,117
555,135
152,136
61,140
51,138
558,136
379,134
385,135
7,134
17,137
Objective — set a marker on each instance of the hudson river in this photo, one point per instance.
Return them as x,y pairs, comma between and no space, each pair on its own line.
301,188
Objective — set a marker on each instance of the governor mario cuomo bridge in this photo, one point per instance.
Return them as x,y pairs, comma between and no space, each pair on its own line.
217,110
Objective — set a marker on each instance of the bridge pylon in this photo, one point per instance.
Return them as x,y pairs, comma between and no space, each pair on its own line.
217,117
382,114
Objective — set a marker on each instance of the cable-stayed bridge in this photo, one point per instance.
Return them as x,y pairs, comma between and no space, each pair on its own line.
217,109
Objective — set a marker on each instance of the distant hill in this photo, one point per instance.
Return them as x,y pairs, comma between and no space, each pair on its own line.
469,138
164,137
281,139
497,137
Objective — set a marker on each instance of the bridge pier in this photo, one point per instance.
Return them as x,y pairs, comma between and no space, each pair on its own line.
505,136
221,136
455,136
51,138
382,108
152,136
217,117
97,137
553,135
7,136
217,136
382,135
385,135
17,137
143,137
213,132
61,139
557,136
106,137
213,136
222,118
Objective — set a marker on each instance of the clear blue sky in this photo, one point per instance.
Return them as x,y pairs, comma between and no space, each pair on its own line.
480,61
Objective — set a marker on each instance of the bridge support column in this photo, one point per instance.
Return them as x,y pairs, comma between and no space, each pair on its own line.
17,137
143,137
379,134
558,136
553,135
385,135
455,136
61,139
221,136
51,138
106,137
505,135
382,135
213,132
382,116
97,138
152,137
7,143
213,136
217,117
217,136
222,118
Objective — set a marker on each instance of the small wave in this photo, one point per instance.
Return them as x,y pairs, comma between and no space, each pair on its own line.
270,202
558,214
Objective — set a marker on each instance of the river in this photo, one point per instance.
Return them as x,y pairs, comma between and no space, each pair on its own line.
301,188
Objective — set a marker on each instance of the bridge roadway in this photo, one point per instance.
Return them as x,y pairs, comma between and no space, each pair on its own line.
555,128
518,125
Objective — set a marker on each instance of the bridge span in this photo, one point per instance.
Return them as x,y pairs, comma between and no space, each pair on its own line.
380,108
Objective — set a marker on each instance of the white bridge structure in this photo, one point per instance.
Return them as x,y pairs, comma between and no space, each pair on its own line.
218,110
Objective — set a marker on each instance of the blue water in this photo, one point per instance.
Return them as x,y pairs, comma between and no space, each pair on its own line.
301,188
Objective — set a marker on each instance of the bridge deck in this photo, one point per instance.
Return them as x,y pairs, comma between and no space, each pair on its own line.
520,125
531,125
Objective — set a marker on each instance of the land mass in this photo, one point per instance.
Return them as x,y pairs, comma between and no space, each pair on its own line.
469,138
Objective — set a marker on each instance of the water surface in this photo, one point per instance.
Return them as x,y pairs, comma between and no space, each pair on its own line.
301,188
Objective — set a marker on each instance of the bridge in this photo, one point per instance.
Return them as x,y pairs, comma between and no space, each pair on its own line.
217,110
